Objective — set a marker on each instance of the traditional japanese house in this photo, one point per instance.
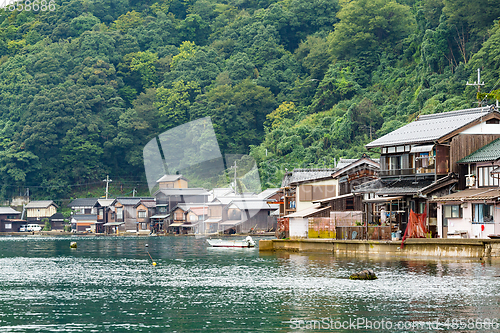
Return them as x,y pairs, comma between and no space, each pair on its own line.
303,186
126,211
473,212
57,221
84,223
38,210
106,217
83,206
145,209
419,161
10,220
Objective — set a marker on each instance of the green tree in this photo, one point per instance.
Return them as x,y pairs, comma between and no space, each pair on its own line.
173,103
369,25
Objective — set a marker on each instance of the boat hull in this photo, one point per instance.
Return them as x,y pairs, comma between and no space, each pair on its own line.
231,243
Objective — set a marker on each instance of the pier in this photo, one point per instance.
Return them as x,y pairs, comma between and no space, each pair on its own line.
414,247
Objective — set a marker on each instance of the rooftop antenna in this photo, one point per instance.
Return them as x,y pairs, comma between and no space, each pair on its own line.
478,83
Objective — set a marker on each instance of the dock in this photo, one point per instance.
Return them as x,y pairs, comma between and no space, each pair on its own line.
413,248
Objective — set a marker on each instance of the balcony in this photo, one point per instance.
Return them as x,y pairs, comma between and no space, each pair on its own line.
406,172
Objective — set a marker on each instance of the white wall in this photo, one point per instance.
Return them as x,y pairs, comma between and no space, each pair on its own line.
298,227
465,223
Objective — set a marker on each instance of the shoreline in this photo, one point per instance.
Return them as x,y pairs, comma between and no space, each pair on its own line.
413,247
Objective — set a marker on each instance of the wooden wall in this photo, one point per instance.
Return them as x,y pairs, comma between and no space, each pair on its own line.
465,144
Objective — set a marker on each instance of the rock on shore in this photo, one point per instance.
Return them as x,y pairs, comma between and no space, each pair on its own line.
367,274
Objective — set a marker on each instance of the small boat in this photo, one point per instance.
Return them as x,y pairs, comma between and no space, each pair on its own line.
494,236
247,242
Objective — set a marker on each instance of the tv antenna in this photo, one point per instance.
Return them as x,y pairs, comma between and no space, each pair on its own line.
478,83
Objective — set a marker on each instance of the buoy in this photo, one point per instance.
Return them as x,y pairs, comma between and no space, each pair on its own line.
146,245
154,263
72,245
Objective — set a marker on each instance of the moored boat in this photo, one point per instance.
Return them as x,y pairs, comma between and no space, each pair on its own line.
247,242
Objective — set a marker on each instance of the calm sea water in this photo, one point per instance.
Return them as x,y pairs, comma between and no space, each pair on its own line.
109,285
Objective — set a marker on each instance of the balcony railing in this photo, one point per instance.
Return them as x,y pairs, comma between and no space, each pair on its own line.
405,172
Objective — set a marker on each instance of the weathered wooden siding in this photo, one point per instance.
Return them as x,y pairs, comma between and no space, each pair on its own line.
465,144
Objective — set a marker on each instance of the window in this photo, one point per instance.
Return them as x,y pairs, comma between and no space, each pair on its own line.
141,214
101,213
452,211
394,162
119,213
8,225
484,177
192,218
482,213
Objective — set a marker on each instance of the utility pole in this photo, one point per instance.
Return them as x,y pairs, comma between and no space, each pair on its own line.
235,184
478,83
107,180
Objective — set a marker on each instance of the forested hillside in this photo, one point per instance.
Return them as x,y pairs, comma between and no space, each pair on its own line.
295,83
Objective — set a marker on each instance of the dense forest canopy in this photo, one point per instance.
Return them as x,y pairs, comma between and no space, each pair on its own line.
293,83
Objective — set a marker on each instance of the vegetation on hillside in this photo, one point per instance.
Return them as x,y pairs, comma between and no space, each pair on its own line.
295,83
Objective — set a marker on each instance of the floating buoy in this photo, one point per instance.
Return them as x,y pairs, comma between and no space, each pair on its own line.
154,263
72,245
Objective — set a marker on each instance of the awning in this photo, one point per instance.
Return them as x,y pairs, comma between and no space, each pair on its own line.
189,225
176,224
231,222
213,220
113,224
421,149
160,216
308,212
383,199
335,198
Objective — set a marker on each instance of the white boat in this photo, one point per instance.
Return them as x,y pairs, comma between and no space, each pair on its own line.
247,242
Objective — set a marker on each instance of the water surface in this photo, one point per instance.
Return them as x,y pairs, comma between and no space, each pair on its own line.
108,284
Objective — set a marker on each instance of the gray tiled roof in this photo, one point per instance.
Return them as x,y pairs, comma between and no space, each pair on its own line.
131,201
428,128
9,211
393,187
40,204
83,202
303,175
489,152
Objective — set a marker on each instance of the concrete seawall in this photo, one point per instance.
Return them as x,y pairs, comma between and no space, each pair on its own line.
423,247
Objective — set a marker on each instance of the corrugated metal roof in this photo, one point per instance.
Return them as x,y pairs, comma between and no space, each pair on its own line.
471,194
490,152
428,128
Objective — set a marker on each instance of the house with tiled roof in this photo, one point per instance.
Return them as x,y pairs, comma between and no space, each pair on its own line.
420,161
38,210
10,219
473,212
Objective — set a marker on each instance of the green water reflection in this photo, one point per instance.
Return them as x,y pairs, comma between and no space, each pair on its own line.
109,285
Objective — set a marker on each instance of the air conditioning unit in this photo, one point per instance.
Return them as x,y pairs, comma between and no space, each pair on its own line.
470,181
